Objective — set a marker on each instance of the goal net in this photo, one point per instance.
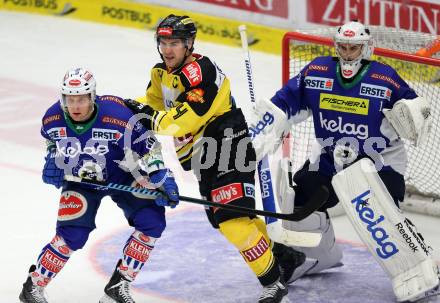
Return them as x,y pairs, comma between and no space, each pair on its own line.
395,48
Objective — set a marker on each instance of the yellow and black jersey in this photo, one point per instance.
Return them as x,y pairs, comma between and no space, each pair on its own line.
186,101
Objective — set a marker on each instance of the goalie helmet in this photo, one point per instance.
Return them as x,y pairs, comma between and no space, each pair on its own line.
353,33
78,81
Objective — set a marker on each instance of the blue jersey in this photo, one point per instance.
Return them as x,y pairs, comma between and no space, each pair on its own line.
347,116
103,147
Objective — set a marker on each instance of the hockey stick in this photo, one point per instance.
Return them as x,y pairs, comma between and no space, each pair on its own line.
320,195
263,168
275,229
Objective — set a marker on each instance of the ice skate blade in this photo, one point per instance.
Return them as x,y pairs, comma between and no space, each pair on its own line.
107,299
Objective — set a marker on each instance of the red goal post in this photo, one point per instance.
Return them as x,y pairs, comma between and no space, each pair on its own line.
397,48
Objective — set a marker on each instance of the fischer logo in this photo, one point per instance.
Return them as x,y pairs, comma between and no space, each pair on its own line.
75,149
255,252
57,133
345,104
375,91
360,131
193,73
386,249
106,134
228,193
319,83
261,125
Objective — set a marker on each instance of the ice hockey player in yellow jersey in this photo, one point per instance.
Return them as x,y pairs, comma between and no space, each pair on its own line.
189,98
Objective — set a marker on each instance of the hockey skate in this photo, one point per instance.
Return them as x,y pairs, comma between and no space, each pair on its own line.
273,293
32,293
288,258
117,289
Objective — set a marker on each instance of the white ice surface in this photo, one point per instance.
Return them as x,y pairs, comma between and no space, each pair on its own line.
35,51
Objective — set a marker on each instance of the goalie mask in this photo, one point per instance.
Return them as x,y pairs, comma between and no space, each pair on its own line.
353,43
78,81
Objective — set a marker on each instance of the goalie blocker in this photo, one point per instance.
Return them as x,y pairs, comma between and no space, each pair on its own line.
391,238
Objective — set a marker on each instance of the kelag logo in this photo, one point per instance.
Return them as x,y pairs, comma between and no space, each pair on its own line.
386,249
261,125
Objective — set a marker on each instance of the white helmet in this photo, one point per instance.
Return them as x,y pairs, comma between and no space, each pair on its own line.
354,33
78,81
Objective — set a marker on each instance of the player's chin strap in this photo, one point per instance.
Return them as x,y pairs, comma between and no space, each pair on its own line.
316,201
274,228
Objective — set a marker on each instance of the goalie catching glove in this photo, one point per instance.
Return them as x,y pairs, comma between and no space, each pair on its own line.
411,119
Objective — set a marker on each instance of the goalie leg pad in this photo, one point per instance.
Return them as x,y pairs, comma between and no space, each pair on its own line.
390,237
327,254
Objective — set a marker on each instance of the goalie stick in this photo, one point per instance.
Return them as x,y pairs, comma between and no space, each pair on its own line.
318,198
274,228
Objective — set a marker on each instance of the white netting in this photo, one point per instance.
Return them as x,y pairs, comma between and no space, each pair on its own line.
422,176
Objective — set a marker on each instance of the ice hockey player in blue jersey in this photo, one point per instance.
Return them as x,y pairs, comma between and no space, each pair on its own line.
96,138
361,109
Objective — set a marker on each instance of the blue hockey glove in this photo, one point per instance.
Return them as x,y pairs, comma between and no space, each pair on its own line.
164,180
51,173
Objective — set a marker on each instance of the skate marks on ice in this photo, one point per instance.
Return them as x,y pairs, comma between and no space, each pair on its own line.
194,263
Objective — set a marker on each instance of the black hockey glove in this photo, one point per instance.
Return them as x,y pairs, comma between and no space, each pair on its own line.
138,107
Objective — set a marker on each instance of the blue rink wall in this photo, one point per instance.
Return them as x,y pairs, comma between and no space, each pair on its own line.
192,262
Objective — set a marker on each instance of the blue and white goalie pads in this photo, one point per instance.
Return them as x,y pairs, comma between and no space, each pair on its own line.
390,237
